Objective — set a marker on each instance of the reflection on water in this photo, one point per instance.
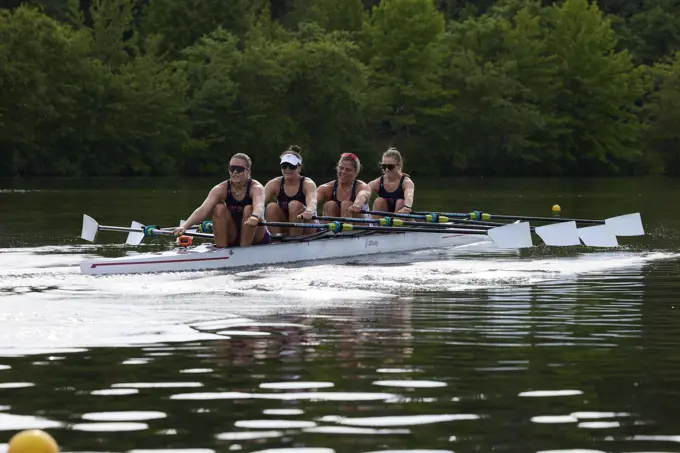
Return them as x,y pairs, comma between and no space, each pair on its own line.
430,352
551,361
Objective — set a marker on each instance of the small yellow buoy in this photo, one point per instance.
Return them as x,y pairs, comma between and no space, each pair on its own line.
556,208
32,441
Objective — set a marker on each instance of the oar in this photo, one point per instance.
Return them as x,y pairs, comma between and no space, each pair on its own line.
389,221
515,235
511,236
623,225
560,234
137,231
508,236
431,217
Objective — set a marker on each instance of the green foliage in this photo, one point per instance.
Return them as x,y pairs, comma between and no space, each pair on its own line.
511,87
331,15
596,90
663,114
402,47
182,23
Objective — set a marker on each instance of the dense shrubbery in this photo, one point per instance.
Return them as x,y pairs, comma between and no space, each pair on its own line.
174,87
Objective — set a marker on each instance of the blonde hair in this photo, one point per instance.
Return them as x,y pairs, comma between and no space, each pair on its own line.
242,156
351,157
394,154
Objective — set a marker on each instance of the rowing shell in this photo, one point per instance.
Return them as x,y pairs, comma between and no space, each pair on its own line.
207,256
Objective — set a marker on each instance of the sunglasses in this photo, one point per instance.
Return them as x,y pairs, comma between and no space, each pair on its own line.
288,166
237,168
387,166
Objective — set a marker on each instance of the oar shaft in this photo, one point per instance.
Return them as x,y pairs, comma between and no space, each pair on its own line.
510,217
339,226
434,217
154,232
119,229
388,221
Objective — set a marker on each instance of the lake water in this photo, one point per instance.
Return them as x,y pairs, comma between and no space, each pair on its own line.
475,350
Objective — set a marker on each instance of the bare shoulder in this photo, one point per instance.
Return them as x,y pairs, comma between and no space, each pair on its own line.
326,186
273,181
219,190
309,182
362,184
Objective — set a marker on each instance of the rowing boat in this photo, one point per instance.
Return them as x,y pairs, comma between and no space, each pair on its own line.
345,240
207,256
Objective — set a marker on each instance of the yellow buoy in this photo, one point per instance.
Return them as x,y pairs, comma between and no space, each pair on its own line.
556,208
32,441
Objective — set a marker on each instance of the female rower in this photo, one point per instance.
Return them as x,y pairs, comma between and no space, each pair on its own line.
395,189
237,206
283,207
345,196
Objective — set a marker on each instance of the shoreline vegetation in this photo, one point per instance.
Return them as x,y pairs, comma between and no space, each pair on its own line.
469,88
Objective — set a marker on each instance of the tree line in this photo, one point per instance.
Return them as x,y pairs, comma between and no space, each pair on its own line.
478,87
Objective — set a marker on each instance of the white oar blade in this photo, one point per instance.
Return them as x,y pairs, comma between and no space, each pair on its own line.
598,236
512,236
559,234
134,237
626,225
90,228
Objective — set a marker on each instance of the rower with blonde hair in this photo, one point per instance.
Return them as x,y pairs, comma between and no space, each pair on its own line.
237,207
394,188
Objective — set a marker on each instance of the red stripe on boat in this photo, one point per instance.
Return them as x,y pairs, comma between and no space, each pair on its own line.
157,262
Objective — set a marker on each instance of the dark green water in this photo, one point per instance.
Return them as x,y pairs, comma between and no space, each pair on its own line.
569,350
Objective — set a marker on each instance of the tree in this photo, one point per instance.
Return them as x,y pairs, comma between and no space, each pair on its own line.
663,115
597,87
402,47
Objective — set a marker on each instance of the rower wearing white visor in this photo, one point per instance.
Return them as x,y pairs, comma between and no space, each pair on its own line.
290,195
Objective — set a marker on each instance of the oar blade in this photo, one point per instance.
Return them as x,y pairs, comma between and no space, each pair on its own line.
559,234
135,237
598,236
626,225
513,236
90,228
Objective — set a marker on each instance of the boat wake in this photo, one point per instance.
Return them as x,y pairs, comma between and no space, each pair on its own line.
48,305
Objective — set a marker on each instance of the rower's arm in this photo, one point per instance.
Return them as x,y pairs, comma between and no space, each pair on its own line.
270,190
257,195
374,185
204,210
310,195
323,193
363,195
409,192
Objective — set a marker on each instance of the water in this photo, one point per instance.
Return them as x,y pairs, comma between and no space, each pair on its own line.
570,350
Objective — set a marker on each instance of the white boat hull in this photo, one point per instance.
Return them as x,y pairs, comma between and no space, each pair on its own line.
207,257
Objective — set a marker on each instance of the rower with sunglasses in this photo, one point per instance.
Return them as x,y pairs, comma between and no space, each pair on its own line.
346,196
237,206
282,207
395,189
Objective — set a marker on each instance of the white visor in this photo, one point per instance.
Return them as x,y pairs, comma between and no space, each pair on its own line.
291,159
